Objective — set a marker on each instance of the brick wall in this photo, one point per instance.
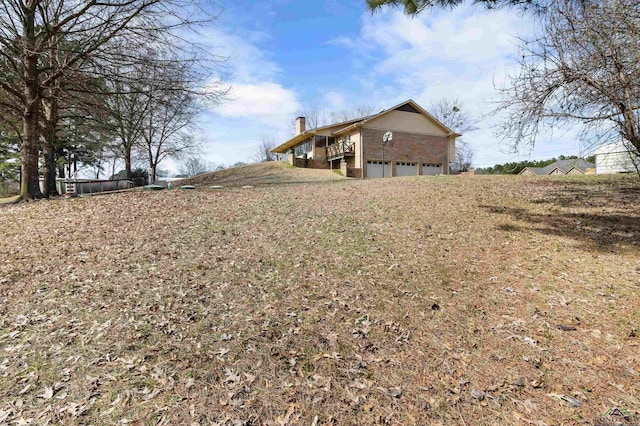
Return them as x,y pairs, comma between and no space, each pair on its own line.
353,172
406,147
310,163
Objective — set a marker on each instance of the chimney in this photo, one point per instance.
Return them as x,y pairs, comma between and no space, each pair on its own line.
300,125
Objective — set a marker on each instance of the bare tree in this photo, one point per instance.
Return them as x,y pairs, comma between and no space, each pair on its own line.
263,151
166,134
464,157
415,7
318,117
29,29
450,112
125,110
314,117
194,165
352,114
584,70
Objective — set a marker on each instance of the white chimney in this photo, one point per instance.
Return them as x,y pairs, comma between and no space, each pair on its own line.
300,125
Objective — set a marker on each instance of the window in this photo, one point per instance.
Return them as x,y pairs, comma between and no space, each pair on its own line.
304,148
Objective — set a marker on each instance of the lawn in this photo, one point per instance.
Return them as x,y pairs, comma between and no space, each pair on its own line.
432,300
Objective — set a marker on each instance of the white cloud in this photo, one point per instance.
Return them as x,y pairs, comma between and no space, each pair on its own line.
461,53
334,101
246,60
258,104
255,92
268,102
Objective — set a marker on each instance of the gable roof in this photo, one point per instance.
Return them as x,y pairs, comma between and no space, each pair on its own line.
407,106
563,165
345,126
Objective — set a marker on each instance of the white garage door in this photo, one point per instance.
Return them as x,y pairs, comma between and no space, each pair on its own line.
374,169
406,169
431,169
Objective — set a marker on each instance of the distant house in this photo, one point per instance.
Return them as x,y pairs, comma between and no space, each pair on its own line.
575,166
420,144
616,158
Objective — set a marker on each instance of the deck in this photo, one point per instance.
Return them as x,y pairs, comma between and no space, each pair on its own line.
340,150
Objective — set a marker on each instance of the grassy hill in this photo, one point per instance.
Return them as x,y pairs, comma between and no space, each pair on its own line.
477,300
273,172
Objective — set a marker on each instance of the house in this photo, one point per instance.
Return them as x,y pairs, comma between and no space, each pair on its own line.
574,166
419,145
616,158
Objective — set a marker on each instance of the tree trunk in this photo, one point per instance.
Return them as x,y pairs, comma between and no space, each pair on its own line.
127,161
30,149
60,154
29,154
50,141
50,189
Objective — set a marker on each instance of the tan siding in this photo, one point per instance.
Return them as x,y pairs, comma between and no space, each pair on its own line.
406,122
355,137
527,172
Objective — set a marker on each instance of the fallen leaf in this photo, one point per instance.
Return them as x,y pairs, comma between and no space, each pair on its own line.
47,394
151,395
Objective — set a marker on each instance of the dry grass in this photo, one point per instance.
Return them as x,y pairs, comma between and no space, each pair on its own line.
400,301
274,172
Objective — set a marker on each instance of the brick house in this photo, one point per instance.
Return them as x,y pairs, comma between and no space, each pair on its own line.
420,144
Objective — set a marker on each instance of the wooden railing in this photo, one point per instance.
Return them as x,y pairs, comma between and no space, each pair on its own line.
340,150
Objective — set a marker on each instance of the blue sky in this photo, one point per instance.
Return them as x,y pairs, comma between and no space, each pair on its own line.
285,56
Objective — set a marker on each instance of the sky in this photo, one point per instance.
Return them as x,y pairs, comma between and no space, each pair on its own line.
285,56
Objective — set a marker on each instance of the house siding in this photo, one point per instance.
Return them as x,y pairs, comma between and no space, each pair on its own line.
527,172
407,122
356,137
614,162
405,147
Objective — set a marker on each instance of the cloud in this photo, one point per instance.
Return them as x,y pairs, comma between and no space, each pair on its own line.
255,91
334,101
267,102
461,53
258,103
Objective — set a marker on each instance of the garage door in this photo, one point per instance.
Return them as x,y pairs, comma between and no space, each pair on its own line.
374,169
406,169
431,169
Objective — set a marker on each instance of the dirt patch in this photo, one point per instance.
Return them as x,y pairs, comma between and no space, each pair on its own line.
469,300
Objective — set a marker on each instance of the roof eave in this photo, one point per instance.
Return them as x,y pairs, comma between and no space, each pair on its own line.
351,127
281,149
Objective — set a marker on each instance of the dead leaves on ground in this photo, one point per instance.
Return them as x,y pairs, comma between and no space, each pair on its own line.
363,302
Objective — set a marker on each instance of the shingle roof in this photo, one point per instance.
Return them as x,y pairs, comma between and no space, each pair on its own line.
347,125
564,165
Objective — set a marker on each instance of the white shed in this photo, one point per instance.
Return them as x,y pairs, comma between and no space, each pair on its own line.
615,158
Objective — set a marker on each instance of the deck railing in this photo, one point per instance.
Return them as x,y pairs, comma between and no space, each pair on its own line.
340,150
